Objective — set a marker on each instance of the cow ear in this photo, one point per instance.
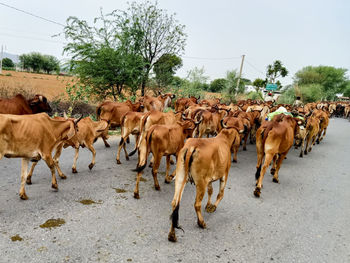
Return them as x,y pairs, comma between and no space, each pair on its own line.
71,131
102,126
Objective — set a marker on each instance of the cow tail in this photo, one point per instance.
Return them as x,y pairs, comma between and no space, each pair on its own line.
182,169
144,152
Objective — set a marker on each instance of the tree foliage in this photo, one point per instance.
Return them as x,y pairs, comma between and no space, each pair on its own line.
165,69
37,62
275,70
217,85
332,80
231,83
7,63
105,56
162,34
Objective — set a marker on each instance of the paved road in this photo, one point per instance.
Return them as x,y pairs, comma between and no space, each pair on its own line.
305,218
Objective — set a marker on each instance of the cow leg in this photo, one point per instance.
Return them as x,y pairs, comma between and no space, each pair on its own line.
273,169
279,163
313,143
268,159
324,134
50,163
151,162
74,167
245,140
319,136
126,153
308,139
167,177
200,191
223,181
157,157
209,207
93,151
121,144
235,151
104,138
24,171
136,190
302,147
56,161
29,176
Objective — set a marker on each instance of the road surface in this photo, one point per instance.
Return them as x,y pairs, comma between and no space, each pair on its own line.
304,218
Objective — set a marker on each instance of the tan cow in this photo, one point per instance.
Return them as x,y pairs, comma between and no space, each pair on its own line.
159,103
32,137
162,140
273,141
202,161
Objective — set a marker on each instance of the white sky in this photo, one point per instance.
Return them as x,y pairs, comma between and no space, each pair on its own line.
297,32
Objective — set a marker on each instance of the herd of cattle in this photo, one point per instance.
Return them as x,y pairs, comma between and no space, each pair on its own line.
27,132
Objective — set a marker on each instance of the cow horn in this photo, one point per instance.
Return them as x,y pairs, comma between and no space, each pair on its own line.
65,115
41,98
199,96
76,121
159,93
223,124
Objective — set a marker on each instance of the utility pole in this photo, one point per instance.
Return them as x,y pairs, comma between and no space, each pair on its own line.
240,73
2,55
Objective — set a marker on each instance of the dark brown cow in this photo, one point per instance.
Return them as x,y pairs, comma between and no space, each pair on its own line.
18,105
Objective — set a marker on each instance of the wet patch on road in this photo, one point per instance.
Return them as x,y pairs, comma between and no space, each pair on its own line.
16,238
120,190
89,202
53,223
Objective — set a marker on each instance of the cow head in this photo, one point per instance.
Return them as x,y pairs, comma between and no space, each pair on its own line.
39,104
73,129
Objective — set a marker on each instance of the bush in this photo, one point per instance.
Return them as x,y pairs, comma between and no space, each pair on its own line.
73,109
253,95
287,97
312,92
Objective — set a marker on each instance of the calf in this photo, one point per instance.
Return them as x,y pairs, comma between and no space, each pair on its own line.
162,140
32,137
87,133
18,105
202,161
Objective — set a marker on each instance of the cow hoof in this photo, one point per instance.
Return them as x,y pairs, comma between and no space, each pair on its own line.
310,149
257,192
275,180
318,142
118,162
91,165
63,177
54,186
23,196
150,165
172,162
127,158
166,181
234,161
210,208
172,237
301,155
157,187
244,148
201,224
305,152
107,145
29,181
74,170
136,196
272,171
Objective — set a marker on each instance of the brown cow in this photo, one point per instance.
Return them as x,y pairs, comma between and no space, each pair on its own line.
130,124
113,112
87,134
162,140
202,161
324,120
312,127
273,140
159,103
33,137
18,105
182,104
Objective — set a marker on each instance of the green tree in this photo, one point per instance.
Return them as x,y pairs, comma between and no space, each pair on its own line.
231,83
218,85
258,84
25,61
7,63
275,70
50,63
165,68
162,34
105,56
332,80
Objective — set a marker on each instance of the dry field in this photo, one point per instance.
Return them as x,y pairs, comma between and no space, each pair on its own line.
51,86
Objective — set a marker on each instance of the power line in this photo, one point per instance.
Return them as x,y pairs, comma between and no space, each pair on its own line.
203,58
32,38
251,65
40,17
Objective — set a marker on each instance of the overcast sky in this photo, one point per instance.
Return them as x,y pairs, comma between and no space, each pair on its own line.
297,32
